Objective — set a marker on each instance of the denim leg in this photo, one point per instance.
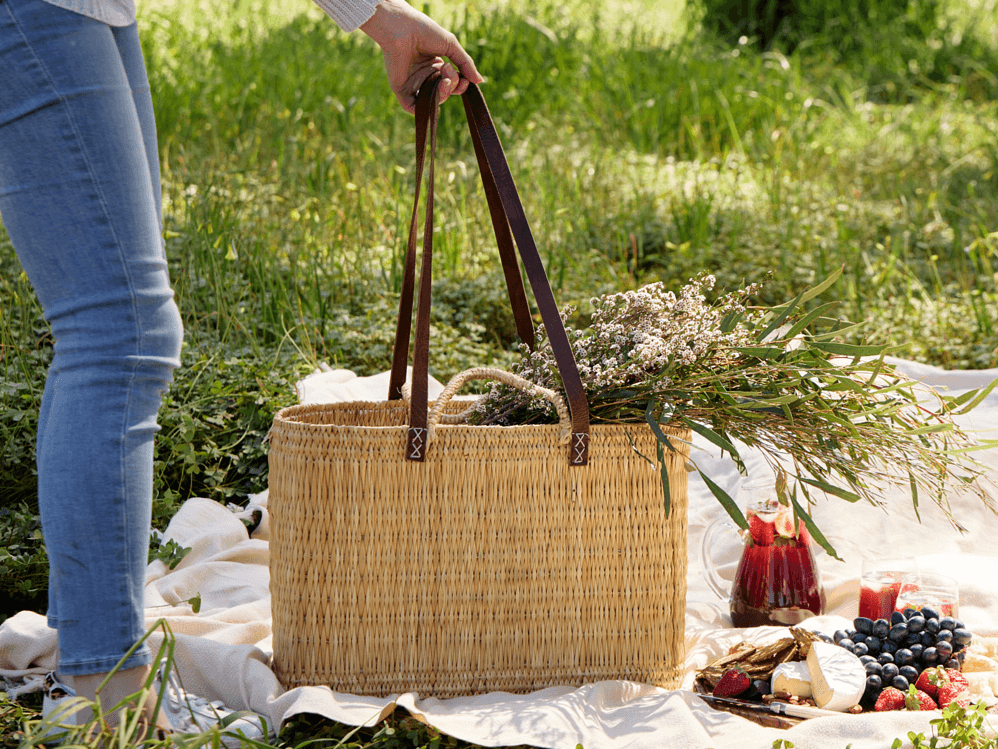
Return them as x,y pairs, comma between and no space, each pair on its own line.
80,202
127,39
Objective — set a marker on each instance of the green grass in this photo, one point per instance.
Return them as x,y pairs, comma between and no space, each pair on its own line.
644,149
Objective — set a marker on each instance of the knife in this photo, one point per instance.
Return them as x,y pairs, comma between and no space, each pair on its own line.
780,708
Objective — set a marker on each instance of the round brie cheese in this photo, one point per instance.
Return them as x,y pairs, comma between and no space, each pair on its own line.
838,678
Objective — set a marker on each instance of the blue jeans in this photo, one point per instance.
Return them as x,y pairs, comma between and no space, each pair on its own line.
80,198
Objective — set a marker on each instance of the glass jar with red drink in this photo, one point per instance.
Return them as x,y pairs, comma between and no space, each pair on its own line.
777,581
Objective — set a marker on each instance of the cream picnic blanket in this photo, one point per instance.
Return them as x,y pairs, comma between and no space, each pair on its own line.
223,652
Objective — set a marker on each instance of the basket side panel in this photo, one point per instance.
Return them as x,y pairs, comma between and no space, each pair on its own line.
491,566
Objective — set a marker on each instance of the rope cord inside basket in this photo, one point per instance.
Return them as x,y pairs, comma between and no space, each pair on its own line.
437,415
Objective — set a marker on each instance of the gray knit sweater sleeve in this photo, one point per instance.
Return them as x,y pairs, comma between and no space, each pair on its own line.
348,14
111,12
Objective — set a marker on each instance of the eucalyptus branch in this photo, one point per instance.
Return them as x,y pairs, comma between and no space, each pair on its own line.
826,415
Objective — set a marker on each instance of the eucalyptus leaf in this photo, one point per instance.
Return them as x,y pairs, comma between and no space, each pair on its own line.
838,491
914,494
780,318
759,352
978,398
847,349
808,319
660,435
636,450
726,502
933,429
808,294
731,320
711,436
664,473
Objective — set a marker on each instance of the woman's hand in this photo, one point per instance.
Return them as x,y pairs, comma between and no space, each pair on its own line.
414,46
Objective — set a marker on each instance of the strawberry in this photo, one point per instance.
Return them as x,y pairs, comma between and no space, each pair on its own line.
957,679
803,537
931,679
916,699
733,682
890,699
762,532
953,693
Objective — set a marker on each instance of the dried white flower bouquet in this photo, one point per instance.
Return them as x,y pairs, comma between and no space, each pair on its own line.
826,415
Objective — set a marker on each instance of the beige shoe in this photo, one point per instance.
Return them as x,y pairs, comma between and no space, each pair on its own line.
189,713
186,713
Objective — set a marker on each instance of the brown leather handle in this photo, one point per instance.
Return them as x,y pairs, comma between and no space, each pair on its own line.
508,219
504,239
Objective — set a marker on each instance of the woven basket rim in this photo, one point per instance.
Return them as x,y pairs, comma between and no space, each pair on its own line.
288,414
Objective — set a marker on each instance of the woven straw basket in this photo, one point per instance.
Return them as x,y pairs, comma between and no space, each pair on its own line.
493,565
409,553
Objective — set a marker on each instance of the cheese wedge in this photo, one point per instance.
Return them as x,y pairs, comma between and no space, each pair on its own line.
793,677
838,678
